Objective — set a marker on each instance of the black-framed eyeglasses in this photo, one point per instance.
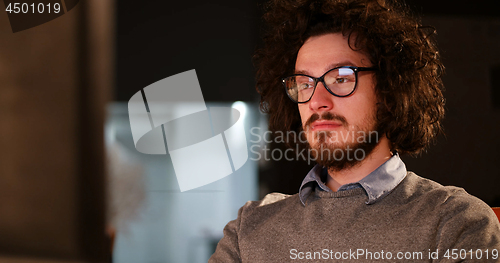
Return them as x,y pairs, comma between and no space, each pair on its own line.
340,82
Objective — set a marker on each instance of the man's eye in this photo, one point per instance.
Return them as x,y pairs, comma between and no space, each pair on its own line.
341,80
303,86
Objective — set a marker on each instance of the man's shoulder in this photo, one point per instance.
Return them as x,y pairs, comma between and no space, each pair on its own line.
269,205
420,186
271,199
419,190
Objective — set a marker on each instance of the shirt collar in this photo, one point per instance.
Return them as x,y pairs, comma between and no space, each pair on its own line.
377,184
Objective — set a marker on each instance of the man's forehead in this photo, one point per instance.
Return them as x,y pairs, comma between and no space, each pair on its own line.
328,67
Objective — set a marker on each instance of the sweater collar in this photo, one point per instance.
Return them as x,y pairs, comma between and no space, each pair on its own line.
377,184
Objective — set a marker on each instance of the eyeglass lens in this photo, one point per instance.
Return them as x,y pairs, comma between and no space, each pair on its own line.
340,81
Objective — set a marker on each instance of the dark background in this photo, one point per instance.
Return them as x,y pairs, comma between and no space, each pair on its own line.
57,79
159,38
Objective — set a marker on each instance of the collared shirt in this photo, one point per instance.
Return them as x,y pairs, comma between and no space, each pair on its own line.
377,184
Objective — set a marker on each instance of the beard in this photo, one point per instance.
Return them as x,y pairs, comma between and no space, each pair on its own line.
339,150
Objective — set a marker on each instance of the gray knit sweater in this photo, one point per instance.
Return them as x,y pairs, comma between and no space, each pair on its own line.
419,221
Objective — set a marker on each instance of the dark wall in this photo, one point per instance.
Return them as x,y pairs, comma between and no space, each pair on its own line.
54,85
157,39
464,8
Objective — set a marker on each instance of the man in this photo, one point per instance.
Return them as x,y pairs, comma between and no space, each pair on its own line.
362,84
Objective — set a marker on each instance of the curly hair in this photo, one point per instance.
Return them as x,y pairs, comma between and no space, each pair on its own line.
408,83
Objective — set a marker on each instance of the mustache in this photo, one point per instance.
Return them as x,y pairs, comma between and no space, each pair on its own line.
327,116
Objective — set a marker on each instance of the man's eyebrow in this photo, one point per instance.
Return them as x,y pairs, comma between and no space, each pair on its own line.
331,66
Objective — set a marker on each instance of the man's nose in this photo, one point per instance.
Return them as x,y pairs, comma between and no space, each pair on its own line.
322,100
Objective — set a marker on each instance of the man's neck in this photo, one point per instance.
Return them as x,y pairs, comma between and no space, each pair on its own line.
376,158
